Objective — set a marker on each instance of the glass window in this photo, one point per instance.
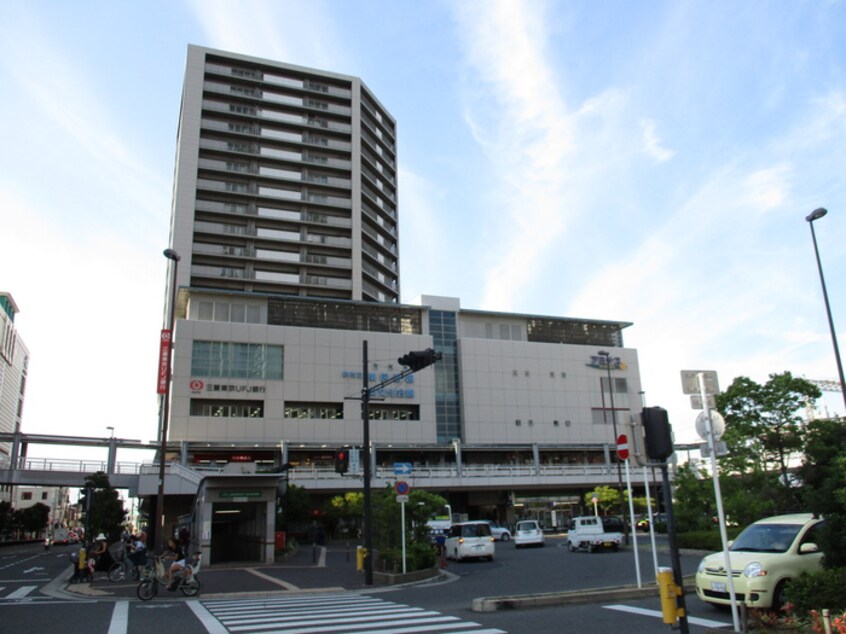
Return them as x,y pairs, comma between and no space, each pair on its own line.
221,311
253,315
239,313
205,310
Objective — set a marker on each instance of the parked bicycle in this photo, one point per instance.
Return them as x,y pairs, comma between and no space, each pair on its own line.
155,575
123,567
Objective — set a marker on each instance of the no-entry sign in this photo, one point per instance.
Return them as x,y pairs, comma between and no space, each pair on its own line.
623,447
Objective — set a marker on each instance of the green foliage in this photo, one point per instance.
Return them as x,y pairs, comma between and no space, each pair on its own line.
417,557
693,499
823,476
106,510
825,588
607,498
5,517
764,426
293,509
706,539
33,518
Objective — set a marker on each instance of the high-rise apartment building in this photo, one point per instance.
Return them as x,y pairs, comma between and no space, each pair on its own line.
285,182
14,362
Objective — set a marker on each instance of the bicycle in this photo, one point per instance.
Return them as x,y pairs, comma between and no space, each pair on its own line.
186,579
123,567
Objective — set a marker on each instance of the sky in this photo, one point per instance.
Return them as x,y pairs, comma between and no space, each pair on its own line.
648,162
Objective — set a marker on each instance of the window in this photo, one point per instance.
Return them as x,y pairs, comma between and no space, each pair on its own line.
44,495
325,411
218,359
227,409
621,386
26,495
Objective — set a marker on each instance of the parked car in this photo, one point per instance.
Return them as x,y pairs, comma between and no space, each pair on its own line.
470,540
589,533
500,533
528,533
764,557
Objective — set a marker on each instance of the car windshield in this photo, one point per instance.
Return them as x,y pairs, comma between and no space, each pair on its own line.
475,530
766,538
526,526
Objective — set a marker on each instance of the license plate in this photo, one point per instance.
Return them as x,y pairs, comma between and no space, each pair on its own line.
607,544
718,586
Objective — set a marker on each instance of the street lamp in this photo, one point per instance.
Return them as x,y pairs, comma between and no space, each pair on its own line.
811,217
111,431
167,337
607,356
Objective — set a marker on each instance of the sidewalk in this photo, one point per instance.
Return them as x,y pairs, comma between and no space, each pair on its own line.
309,569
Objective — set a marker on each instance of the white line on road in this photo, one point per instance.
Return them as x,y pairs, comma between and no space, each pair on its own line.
21,592
644,612
212,625
120,618
279,582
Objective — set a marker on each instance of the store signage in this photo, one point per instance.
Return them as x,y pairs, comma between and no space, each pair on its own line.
599,362
164,361
198,386
240,494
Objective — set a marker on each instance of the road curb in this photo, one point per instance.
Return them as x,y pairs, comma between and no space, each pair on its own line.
573,597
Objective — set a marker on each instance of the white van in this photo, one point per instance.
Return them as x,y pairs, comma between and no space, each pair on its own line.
470,540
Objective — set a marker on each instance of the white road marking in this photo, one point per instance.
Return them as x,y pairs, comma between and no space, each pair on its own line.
656,613
120,618
21,592
212,625
279,582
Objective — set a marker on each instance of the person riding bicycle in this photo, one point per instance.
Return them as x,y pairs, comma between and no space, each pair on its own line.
138,550
177,553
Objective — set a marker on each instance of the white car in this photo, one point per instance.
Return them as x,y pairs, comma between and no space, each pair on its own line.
528,533
764,557
500,533
469,540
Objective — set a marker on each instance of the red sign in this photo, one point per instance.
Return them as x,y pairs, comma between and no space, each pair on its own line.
402,488
623,447
164,361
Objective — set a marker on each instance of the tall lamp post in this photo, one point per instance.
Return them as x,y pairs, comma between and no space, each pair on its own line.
167,345
811,217
607,356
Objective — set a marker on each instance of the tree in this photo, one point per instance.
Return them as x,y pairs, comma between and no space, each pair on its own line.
764,430
5,517
293,509
607,498
823,477
106,514
34,518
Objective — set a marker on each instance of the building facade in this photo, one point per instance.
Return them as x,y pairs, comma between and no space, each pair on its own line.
288,307
14,364
286,182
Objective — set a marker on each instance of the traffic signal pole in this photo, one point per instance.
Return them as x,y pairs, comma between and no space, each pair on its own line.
413,361
365,453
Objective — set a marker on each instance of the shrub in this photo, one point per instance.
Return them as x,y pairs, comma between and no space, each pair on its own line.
825,588
417,557
705,540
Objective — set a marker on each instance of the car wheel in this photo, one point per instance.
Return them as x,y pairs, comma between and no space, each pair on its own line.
571,547
779,596
505,537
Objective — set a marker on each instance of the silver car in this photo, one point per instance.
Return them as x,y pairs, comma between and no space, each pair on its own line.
528,533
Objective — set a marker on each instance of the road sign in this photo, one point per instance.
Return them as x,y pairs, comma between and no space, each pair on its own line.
402,468
402,499
402,487
690,381
696,401
717,421
623,447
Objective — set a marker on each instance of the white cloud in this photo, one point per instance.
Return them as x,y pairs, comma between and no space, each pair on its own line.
652,144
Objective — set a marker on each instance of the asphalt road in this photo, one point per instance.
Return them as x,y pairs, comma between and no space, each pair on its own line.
34,596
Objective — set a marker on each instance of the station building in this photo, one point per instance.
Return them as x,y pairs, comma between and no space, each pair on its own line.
285,225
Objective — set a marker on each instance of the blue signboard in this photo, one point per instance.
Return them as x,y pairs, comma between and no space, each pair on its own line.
402,468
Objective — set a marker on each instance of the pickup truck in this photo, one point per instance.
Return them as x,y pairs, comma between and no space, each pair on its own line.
588,533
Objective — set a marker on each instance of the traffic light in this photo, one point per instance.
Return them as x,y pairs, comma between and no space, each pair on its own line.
342,460
420,359
658,433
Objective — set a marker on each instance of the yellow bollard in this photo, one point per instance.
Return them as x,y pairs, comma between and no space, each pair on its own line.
669,591
360,554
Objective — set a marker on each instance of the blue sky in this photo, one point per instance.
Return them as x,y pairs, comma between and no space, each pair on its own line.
649,162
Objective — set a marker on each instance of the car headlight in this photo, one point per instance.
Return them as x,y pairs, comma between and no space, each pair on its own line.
701,568
754,569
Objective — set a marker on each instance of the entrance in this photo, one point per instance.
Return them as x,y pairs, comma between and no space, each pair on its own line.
237,531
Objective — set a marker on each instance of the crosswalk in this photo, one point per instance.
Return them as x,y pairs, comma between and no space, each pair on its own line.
335,614
19,593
